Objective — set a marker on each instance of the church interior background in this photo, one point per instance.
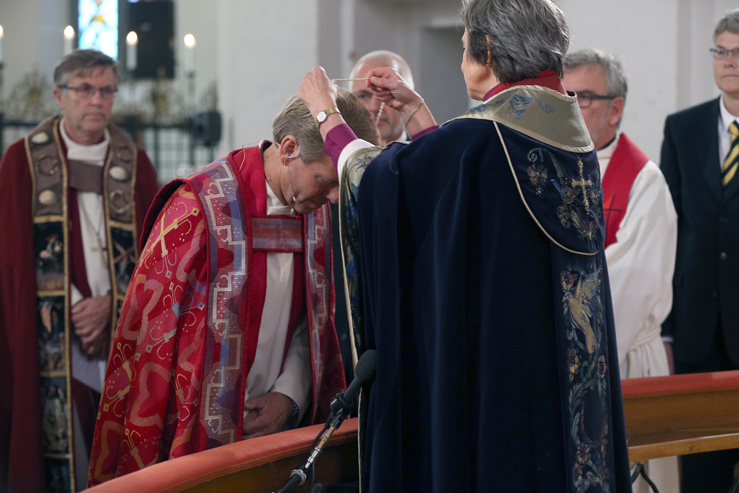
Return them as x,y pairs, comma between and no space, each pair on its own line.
195,64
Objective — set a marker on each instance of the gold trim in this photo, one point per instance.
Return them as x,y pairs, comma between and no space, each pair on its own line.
59,456
50,293
124,226
67,302
48,219
523,199
53,373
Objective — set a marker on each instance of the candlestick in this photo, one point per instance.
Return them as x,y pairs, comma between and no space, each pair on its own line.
132,40
68,37
189,53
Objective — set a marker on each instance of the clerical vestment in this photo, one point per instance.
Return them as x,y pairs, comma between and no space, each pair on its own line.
41,259
189,328
641,245
477,255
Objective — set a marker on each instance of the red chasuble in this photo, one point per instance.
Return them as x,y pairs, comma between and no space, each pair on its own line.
188,330
627,161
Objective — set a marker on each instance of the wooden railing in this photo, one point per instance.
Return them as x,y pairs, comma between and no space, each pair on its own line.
665,416
258,465
681,414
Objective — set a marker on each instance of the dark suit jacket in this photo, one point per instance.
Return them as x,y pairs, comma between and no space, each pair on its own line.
706,282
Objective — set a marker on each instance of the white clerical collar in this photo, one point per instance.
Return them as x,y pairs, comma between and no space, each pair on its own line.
725,118
92,154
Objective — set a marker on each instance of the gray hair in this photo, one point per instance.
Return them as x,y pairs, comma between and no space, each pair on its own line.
616,84
527,36
389,58
729,22
79,62
296,120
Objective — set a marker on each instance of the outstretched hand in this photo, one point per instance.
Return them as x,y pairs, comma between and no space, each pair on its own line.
267,414
317,91
392,89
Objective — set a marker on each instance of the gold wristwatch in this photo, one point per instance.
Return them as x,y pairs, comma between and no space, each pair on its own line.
322,115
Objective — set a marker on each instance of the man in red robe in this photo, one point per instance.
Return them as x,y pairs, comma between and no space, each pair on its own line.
227,332
73,195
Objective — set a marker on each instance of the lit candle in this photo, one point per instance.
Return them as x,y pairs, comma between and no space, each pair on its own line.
2,33
131,41
68,37
189,53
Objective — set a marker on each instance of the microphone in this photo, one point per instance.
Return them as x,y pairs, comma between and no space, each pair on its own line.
341,405
363,373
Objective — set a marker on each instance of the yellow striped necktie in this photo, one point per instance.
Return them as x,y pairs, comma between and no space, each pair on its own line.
728,170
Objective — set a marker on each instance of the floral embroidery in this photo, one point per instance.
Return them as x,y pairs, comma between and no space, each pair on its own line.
518,105
583,311
538,176
577,194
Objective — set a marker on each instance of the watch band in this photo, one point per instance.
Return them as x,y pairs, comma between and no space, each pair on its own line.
322,115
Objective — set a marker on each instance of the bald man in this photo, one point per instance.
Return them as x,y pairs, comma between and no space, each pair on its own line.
390,126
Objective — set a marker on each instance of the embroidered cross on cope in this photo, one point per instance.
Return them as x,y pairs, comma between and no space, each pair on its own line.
728,170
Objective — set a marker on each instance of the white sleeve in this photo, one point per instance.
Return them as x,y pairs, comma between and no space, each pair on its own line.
347,152
642,260
295,379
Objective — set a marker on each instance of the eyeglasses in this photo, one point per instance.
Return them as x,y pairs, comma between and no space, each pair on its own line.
721,53
86,91
585,99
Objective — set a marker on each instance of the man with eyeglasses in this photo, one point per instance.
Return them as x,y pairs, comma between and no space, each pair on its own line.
641,229
699,160
73,197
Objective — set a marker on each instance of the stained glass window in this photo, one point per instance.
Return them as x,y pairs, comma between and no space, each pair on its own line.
97,25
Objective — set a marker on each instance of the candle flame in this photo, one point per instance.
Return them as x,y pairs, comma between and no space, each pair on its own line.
189,40
132,38
69,32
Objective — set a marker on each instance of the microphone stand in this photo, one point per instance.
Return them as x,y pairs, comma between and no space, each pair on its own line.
301,474
341,406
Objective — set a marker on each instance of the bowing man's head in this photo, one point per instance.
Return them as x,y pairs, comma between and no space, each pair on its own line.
310,176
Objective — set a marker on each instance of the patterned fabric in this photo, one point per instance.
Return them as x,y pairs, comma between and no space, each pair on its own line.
50,171
351,240
486,299
186,341
728,170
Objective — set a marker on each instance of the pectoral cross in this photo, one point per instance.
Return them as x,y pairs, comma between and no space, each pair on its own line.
101,250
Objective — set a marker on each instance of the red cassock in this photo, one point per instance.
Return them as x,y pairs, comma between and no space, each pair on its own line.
187,336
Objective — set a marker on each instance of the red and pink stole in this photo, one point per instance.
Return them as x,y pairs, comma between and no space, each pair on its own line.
626,163
187,338
233,195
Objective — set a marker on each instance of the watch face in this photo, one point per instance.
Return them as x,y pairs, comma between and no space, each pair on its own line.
321,116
